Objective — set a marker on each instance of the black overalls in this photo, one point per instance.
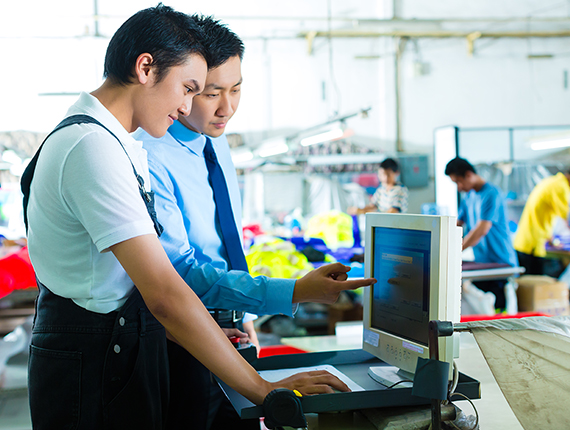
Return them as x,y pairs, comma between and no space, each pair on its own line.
96,371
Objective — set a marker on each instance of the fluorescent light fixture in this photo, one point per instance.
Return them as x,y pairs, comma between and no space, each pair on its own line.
241,156
550,141
551,144
271,147
323,137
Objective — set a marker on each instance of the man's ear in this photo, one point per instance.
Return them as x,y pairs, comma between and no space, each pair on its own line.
144,68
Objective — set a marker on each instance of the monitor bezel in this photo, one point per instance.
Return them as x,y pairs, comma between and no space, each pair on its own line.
444,301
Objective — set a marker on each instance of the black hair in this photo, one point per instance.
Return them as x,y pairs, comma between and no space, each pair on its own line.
169,36
221,43
459,167
390,164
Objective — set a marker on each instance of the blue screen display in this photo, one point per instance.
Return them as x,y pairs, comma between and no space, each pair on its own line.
401,266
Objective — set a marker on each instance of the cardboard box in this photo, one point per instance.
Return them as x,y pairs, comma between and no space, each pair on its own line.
542,294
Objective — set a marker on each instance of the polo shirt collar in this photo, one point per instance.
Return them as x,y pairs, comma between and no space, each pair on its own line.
91,106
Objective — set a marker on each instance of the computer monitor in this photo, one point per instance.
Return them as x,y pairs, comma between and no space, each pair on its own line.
416,260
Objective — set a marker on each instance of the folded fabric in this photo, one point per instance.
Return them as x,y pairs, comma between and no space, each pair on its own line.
277,258
334,227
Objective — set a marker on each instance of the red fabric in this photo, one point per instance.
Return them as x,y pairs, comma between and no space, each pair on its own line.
266,351
468,318
252,229
368,180
16,272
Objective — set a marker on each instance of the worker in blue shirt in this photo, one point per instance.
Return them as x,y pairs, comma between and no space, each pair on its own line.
483,213
193,239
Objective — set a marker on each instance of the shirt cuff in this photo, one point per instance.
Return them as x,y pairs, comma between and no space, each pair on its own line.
280,296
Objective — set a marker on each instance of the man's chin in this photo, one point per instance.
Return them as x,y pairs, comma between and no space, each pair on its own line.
214,132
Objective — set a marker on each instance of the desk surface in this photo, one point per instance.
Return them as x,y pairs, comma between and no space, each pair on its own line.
494,411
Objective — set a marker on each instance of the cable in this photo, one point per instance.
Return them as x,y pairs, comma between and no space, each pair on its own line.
452,387
474,408
452,384
399,382
455,380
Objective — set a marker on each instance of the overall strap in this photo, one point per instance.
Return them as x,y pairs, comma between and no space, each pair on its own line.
26,181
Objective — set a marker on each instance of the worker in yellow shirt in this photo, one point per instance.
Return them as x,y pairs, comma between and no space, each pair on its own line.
548,200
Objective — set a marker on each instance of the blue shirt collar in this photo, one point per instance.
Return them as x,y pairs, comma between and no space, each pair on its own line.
191,139
484,187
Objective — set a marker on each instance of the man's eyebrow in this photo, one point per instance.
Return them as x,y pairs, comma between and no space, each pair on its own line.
196,84
215,86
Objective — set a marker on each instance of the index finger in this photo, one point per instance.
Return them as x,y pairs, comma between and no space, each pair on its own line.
356,283
331,268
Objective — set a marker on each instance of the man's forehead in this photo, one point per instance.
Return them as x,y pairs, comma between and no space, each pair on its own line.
216,85
226,75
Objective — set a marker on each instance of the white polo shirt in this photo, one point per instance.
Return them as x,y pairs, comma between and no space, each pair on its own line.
84,198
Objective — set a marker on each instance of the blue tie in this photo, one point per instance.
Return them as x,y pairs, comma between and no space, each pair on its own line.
230,236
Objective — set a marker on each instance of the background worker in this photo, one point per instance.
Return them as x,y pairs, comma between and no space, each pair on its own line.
391,196
107,288
187,202
547,201
482,212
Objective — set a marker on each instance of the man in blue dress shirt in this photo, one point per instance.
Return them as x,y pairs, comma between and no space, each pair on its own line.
186,208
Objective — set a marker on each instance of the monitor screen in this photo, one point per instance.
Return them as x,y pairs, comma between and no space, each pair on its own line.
416,260
400,298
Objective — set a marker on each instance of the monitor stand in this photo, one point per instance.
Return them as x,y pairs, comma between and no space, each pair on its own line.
391,375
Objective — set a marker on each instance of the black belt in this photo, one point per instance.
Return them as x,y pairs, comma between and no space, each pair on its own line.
221,315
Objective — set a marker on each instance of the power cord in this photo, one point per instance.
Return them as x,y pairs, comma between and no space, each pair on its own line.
452,387
455,380
453,383
451,393
474,408
399,382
